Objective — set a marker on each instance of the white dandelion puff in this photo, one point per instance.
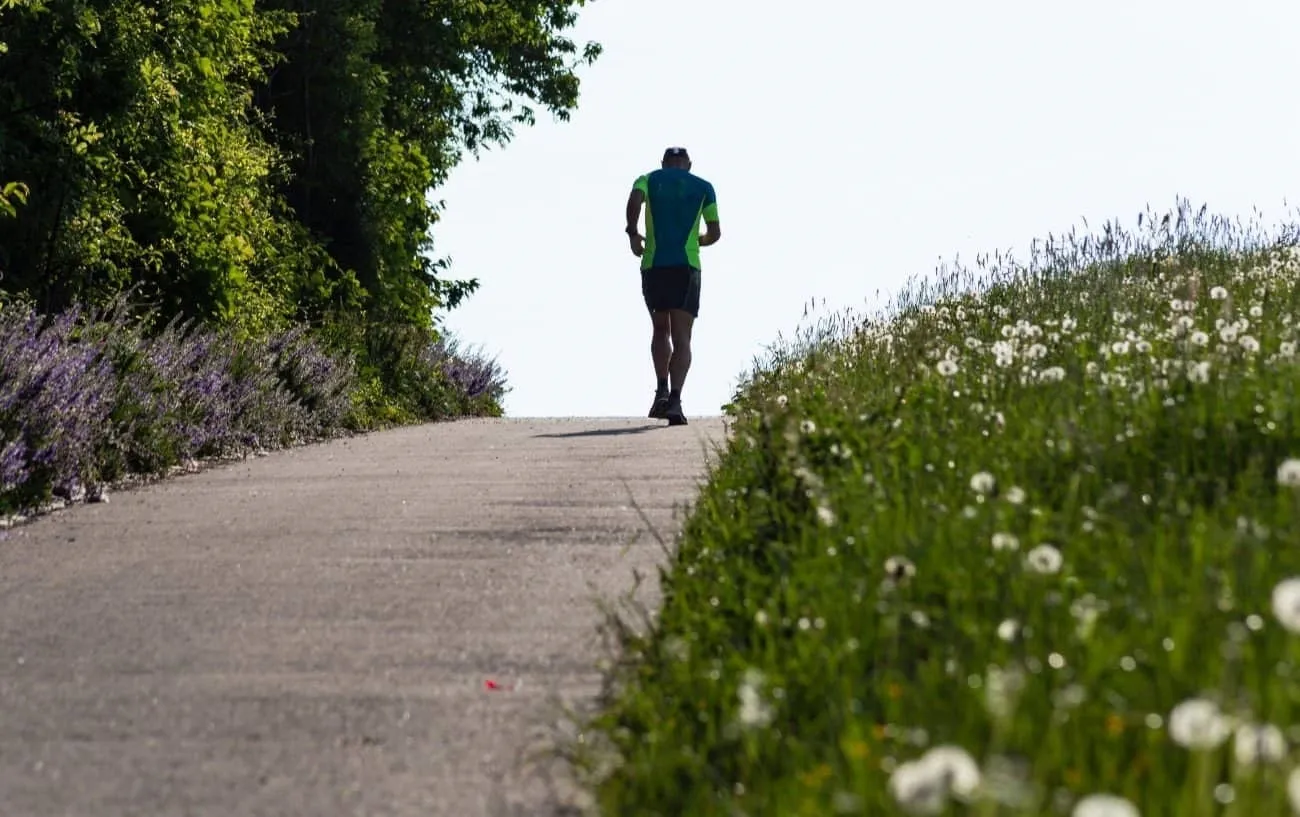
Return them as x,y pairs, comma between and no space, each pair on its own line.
1286,604
959,771
947,368
1052,374
1199,372
1009,629
899,568
1288,473
1005,541
1293,789
755,712
1197,723
1044,559
1218,293
825,515
1258,744
1015,495
1104,805
983,483
1199,338
917,789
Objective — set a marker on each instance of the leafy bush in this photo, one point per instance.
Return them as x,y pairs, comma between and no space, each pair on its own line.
1023,545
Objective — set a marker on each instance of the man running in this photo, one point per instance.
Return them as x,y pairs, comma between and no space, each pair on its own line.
676,201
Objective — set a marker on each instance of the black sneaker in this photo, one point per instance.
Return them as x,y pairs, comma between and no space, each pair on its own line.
659,409
674,413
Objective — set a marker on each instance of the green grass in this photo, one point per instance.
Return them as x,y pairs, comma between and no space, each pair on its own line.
1027,511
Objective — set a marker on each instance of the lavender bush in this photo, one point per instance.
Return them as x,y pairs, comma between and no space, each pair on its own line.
89,397
477,378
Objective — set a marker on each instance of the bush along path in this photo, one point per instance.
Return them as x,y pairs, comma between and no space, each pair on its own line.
92,398
1026,544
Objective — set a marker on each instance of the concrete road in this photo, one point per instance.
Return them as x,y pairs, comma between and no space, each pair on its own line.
313,632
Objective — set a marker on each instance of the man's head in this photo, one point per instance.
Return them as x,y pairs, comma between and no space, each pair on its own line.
677,157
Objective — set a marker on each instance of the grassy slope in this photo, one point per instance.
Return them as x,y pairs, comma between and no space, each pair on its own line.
860,579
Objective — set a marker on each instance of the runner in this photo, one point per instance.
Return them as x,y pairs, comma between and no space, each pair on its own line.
676,200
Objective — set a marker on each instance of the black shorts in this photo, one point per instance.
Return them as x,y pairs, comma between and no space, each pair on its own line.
671,288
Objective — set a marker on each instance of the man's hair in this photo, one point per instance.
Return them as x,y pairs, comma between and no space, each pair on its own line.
676,154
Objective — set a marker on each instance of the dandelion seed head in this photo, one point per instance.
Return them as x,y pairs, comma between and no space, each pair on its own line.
1288,473
1286,604
983,483
1104,805
1198,724
1044,559
1255,744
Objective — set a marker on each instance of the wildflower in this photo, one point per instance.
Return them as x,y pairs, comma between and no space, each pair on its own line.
957,768
754,711
947,368
1009,629
1005,541
1218,293
1199,338
1259,744
1197,723
1053,374
1015,495
1044,559
917,788
983,483
899,568
1293,789
1199,372
807,426
1002,689
1104,805
1286,348
1286,604
1288,473
825,515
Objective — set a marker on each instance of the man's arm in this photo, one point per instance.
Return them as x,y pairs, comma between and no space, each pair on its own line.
634,200
640,189
713,230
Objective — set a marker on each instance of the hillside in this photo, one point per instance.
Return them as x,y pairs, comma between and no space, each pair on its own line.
1022,544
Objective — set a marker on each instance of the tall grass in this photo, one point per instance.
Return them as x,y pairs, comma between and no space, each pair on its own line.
1019,544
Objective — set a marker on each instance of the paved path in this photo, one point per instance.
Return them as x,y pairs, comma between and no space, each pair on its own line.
310,633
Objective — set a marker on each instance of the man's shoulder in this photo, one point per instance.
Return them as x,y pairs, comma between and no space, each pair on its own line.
702,182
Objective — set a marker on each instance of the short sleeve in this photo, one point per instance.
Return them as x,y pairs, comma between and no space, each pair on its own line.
642,183
710,203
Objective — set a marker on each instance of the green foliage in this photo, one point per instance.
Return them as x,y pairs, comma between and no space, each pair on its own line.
1026,517
252,165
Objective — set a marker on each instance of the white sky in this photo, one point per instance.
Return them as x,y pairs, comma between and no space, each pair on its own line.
852,144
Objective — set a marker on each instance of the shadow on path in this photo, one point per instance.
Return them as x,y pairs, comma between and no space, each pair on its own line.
602,432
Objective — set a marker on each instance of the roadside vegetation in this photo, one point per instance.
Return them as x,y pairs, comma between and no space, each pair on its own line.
1025,543
216,228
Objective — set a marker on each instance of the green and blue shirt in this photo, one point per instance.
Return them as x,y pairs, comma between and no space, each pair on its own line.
676,201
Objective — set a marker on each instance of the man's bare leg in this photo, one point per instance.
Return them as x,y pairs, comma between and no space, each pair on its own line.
679,363
661,350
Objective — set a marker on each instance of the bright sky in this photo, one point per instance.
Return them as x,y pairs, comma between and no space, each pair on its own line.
852,145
